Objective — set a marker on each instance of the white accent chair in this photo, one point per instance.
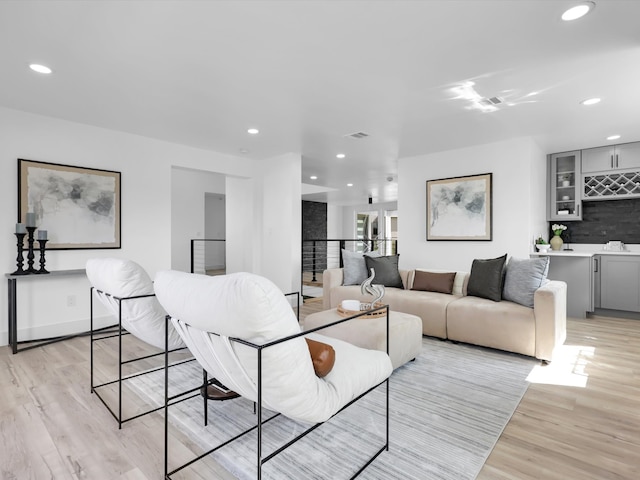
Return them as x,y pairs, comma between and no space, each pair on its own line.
243,331
126,289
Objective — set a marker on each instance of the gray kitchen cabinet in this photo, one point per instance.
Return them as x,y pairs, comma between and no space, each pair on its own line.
609,158
578,273
563,186
620,282
596,281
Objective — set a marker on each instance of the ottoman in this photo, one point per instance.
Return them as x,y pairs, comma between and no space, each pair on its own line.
405,333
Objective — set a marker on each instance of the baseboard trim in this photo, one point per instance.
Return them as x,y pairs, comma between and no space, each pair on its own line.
605,312
57,329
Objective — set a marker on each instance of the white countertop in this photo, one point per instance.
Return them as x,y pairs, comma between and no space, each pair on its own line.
588,250
563,253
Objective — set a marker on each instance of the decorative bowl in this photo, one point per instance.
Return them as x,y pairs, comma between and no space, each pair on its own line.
543,247
343,312
351,305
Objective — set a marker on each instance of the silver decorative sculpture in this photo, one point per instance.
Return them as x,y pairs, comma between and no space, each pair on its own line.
368,288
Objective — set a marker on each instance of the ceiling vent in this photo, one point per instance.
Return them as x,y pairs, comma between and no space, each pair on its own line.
492,101
357,135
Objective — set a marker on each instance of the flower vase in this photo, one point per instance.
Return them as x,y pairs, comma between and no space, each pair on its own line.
556,242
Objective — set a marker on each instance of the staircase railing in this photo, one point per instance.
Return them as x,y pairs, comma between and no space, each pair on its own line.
320,254
208,256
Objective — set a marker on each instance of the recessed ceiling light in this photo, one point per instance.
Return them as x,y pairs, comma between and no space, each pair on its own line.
613,137
40,68
244,150
590,101
578,11
349,184
340,155
313,177
253,131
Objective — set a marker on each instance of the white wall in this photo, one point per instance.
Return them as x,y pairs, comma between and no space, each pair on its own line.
334,221
188,190
146,208
538,224
518,168
242,252
282,221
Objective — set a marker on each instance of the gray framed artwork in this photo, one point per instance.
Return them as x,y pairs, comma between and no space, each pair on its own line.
78,207
459,208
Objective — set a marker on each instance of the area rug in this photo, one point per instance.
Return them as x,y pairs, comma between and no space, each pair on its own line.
447,410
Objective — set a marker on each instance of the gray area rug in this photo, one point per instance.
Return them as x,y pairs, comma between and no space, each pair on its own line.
447,410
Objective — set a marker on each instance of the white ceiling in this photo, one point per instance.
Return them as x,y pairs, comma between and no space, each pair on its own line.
306,73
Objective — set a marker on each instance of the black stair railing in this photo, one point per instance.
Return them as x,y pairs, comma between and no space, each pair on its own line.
208,254
321,254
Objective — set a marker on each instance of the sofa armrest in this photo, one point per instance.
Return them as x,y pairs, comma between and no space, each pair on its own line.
331,277
550,310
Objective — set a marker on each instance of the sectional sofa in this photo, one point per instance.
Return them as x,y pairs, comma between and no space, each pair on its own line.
505,325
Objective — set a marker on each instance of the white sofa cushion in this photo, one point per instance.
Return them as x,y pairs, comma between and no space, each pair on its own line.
502,325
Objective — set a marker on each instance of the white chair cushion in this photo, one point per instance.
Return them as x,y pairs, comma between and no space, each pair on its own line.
142,317
252,308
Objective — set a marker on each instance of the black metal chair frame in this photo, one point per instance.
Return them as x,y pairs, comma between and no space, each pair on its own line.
169,401
109,332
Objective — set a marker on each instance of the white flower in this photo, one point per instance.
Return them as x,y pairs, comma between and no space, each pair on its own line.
558,229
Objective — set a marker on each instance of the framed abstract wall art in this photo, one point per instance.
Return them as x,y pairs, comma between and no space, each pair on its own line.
460,208
79,207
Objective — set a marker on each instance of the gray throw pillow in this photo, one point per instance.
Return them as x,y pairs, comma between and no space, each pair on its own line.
523,278
354,269
487,278
386,270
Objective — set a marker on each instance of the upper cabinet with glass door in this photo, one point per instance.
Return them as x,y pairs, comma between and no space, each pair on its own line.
564,186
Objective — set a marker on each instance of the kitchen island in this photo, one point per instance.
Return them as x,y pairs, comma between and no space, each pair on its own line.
597,278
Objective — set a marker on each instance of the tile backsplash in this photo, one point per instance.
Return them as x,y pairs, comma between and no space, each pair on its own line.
603,221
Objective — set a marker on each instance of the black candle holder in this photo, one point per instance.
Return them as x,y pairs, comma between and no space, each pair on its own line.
20,259
30,255
42,244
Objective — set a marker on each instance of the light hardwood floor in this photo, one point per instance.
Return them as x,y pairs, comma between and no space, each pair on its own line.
52,427
579,432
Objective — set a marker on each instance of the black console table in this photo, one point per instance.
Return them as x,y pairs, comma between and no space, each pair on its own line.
12,281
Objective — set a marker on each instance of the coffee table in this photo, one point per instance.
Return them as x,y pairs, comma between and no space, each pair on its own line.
405,333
